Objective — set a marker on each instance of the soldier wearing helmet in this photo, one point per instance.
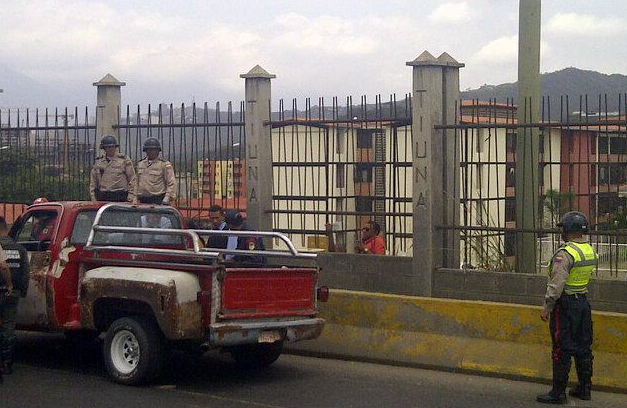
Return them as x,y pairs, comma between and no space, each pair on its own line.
113,175
156,181
566,306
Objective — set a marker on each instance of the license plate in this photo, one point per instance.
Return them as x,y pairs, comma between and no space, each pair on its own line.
269,337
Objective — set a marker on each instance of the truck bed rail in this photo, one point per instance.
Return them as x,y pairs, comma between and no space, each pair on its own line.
193,234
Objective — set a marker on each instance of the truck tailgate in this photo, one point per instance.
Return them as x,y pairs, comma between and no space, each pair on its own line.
250,293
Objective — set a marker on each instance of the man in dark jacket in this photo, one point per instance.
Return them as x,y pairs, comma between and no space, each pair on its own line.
17,261
235,222
217,218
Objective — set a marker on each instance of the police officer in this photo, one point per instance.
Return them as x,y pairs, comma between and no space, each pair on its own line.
6,287
567,307
156,181
113,175
17,262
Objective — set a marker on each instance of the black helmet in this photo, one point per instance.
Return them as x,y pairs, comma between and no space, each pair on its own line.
574,221
152,143
109,141
234,218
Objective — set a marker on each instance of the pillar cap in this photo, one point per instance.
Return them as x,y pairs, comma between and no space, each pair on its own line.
427,59
109,80
258,72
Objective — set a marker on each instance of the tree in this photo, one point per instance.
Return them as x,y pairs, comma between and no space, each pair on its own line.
558,203
23,178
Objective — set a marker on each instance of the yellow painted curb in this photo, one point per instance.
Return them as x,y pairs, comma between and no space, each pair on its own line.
495,338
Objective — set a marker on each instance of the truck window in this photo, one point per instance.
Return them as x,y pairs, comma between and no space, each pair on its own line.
136,218
82,227
38,227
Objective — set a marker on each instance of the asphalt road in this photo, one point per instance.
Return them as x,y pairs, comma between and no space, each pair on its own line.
53,373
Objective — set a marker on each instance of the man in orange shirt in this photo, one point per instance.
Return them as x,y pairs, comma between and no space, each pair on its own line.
371,241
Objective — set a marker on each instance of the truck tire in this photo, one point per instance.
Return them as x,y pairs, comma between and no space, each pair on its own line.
255,356
133,350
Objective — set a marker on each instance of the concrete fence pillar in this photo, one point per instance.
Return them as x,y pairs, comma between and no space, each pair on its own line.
435,92
258,149
528,139
108,101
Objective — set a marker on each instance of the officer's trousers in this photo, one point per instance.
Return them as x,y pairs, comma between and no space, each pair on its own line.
114,196
8,312
156,199
571,333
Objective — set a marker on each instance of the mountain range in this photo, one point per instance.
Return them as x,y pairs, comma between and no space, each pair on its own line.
22,91
572,82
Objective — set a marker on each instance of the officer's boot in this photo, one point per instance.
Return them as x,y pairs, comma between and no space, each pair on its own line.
7,359
584,373
557,395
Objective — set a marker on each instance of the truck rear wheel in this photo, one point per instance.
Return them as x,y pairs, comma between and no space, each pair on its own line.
133,350
259,355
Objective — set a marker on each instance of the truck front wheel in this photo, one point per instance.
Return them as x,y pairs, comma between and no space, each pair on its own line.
133,350
259,355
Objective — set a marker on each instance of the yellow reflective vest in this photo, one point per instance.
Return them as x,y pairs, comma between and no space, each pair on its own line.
585,260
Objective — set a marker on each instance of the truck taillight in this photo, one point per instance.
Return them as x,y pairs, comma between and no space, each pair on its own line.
323,294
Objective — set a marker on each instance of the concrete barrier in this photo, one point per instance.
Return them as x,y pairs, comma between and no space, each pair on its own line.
459,335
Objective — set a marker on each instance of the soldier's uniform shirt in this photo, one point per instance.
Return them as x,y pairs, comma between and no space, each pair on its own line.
113,174
156,177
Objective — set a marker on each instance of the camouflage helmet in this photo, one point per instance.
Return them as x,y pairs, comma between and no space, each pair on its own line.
109,141
152,143
574,221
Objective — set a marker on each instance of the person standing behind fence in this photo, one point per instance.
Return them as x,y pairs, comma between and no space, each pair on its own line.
567,307
156,181
113,175
371,241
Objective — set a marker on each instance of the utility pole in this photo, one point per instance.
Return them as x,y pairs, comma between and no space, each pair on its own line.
527,143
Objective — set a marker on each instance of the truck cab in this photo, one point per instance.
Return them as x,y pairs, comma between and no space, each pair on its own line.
135,273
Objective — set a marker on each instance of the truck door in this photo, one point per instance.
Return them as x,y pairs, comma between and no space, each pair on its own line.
36,231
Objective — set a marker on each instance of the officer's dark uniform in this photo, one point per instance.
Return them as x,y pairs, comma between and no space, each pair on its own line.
570,315
17,261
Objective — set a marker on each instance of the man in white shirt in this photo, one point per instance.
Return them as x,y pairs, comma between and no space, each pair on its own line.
155,221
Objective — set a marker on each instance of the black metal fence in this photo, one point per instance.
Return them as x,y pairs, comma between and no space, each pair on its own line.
205,145
343,163
45,153
582,165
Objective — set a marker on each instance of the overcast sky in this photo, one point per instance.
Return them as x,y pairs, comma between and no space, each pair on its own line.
176,51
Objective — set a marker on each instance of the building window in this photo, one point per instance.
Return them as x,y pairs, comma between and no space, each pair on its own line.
363,173
340,176
510,243
510,141
340,141
510,209
363,204
364,138
603,145
618,145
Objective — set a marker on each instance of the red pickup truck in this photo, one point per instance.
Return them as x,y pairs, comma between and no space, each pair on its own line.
138,275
